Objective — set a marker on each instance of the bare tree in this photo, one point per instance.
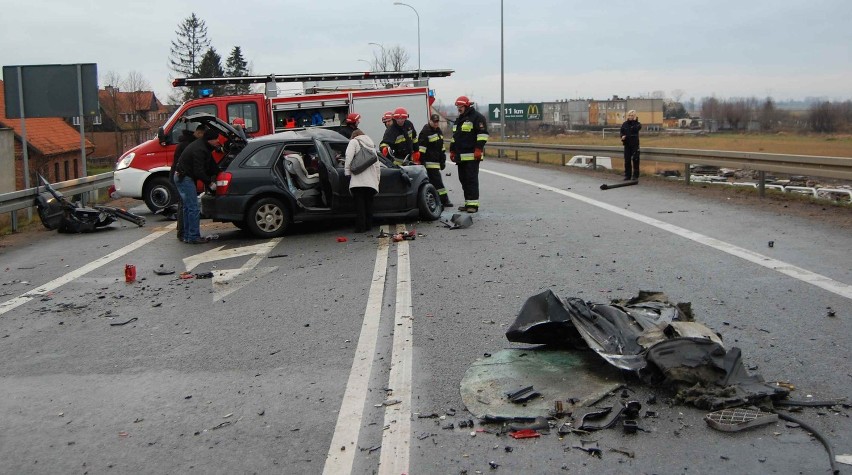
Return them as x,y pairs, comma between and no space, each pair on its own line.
768,115
112,81
677,94
824,117
397,58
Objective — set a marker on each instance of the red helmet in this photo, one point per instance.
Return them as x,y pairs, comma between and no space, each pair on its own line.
353,118
238,121
400,113
463,101
387,116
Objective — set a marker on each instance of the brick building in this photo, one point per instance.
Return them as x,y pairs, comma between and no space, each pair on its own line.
53,147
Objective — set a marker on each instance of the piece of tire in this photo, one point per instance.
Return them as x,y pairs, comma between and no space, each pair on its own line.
429,203
159,193
268,218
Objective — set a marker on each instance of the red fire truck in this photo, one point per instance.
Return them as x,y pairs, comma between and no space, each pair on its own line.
321,100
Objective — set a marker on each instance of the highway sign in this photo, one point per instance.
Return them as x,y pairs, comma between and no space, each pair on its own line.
515,111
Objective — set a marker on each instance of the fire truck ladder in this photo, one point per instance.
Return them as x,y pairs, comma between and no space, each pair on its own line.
276,78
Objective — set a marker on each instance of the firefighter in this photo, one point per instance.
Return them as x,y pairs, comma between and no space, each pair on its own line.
350,125
470,133
387,119
431,142
399,138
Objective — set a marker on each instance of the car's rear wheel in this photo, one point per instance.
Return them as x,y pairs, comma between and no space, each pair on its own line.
429,203
159,193
267,218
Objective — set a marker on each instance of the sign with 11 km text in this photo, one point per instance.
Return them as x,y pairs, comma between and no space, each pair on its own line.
515,111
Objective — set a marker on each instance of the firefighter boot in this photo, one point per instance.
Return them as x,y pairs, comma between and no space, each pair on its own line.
445,201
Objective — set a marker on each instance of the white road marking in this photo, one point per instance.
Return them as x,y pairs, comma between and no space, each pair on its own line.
396,439
344,442
226,281
804,275
58,282
218,254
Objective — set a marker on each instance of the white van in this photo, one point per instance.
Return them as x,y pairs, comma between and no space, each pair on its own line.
585,161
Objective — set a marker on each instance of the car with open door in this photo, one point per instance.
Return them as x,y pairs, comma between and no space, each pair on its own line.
275,181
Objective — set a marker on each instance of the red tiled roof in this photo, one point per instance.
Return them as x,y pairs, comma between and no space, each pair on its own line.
47,136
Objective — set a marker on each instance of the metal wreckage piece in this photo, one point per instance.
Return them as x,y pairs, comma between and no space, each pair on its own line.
652,337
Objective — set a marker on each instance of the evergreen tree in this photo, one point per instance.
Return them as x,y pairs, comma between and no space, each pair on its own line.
211,67
186,50
236,66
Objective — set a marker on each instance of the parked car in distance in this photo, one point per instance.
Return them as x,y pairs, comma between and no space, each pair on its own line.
295,176
585,161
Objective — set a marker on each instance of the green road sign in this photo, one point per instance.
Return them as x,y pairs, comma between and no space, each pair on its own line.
517,111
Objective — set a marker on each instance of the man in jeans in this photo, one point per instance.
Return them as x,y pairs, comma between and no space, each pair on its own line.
194,165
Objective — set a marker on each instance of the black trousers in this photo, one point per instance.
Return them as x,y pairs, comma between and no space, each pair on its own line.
469,178
631,161
363,208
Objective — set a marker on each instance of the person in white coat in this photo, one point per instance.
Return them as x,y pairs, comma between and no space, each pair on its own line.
364,185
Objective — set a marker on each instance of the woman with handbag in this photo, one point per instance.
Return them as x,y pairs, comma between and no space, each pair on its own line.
363,185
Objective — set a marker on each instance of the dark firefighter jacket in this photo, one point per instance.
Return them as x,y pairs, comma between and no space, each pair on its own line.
197,162
400,140
469,132
431,142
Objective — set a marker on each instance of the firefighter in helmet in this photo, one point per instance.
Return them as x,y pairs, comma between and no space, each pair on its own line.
470,132
431,144
350,125
387,119
399,138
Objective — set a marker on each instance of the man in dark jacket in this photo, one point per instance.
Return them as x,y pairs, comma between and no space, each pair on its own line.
470,133
350,125
399,139
186,137
630,138
431,142
194,165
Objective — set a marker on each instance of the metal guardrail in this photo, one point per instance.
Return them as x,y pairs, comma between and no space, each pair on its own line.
812,165
23,199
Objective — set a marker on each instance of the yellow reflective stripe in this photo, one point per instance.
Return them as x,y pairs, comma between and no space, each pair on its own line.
482,137
454,127
433,165
465,157
422,149
474,203
397,162
467,126
400,139
452,140
434,138
442,191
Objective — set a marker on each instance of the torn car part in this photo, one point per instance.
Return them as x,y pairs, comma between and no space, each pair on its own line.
818,435
737,419
523,395
458,221
601,418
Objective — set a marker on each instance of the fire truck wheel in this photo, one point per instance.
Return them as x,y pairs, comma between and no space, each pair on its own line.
429,203
267,218
159,193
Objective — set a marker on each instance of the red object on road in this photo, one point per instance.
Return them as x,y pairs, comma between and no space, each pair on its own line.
342,239
129,273
524,434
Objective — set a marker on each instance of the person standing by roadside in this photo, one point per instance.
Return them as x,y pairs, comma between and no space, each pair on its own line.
470,133
364,185
431,142
399,139
194,165
630,138
184,140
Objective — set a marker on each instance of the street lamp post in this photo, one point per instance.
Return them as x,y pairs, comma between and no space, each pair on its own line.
418,34
380,65
368,63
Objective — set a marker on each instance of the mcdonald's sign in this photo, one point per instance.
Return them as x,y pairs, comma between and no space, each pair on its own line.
515,111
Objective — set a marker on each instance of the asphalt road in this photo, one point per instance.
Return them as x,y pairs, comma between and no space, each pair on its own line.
305,354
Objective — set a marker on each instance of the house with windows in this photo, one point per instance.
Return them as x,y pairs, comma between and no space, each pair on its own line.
126,119
53,148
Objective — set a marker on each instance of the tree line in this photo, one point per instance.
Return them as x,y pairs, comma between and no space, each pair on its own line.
191,56
764,115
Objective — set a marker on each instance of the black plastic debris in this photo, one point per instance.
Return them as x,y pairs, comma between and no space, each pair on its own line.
522,395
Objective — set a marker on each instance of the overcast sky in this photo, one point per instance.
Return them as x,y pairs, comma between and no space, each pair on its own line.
554,49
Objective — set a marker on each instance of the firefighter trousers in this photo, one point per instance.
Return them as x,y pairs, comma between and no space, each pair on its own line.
469,178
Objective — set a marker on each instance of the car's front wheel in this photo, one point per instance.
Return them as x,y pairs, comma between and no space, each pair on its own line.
159,193
267,218
429,203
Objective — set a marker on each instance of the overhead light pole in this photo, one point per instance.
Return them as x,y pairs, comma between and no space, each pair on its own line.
502,82
368,63
418,34
380,65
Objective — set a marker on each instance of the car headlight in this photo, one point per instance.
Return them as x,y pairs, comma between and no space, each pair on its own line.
125,161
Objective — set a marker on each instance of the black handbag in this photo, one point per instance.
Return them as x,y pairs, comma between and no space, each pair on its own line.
363,159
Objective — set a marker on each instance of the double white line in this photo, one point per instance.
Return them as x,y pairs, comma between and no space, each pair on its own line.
396,436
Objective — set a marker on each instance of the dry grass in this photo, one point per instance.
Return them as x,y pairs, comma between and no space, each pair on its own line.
791,144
